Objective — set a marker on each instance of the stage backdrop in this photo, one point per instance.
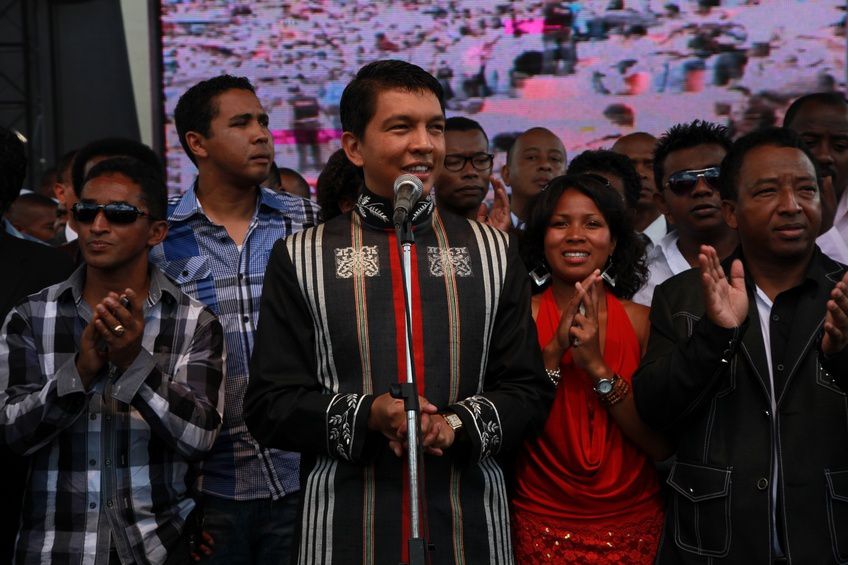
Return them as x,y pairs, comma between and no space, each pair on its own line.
590,71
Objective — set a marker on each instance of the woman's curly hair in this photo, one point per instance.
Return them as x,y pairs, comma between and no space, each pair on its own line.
629,268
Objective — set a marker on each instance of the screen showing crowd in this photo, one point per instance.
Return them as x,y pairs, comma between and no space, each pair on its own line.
590,71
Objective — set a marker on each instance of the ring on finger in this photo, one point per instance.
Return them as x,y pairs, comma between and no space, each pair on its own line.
119,330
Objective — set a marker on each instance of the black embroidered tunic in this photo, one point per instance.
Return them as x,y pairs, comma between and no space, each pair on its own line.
331,338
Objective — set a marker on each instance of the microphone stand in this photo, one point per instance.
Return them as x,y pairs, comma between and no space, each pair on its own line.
408,392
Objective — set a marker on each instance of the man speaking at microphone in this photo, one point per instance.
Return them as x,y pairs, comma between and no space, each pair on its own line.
331,341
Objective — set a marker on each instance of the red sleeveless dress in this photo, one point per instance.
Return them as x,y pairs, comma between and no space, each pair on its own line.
584,492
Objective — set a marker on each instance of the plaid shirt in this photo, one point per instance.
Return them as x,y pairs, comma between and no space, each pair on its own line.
110,462
206,264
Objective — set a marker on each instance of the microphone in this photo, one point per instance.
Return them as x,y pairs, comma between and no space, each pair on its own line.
408,191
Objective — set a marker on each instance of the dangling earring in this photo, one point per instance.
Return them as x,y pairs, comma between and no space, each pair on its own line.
540,275
606,274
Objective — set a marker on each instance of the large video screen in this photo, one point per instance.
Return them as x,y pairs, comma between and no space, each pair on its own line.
590,71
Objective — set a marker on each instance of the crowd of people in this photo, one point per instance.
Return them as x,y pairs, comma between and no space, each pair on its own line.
636,355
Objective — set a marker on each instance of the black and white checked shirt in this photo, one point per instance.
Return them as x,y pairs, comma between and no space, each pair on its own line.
108,465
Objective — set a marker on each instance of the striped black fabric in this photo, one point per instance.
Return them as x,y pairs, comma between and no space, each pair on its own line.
328,343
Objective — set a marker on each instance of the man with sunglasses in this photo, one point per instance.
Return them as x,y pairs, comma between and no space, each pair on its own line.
464,180
747,375
221,233
687,164
112,382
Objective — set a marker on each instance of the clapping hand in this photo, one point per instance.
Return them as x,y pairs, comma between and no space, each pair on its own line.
836,319
726,301
498,217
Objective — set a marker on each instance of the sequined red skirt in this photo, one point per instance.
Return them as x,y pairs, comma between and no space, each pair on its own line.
541,539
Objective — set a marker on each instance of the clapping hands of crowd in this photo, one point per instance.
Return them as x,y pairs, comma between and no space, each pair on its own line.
113,335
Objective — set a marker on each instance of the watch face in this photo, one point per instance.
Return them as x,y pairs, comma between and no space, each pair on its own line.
604,386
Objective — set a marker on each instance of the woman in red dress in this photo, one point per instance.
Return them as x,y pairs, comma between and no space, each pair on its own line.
586,490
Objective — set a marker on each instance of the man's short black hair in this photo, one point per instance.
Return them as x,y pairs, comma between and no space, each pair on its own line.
359,99
685,136
197,107
112,147
605,161
13,166
775,137
154,192
298,178
461,123
824,98
32,200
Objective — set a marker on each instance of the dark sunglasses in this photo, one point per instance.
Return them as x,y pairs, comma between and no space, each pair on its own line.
682,182
115,212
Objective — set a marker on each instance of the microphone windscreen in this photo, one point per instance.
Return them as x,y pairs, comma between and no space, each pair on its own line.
414,183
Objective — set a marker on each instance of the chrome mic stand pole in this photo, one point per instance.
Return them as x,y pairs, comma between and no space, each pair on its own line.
408,392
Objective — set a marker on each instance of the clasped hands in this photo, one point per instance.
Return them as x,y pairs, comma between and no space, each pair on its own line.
113,335
578,330
388,416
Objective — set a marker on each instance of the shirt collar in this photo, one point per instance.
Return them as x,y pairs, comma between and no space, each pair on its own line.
656,230
821,270
188,204
160,286
376,211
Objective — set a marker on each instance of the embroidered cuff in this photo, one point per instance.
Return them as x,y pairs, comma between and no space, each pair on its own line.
482,425
346,419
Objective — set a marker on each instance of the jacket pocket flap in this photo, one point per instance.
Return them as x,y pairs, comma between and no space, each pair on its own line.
837,483
188,269
698,482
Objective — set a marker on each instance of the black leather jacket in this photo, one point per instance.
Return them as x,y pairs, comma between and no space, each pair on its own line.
708,387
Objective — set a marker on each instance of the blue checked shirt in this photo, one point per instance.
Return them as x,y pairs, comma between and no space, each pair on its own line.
207,264
108,464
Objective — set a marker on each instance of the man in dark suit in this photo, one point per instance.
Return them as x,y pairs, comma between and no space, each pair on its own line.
745,376
29,267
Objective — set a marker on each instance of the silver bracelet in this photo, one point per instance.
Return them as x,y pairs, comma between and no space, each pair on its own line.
555,375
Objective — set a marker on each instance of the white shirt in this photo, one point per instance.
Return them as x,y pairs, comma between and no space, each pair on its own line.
517,222
833,241
656,230
70,234
764,306
664,261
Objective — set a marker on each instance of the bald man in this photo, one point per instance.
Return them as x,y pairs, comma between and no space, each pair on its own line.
821,119
639,148
536,156
35,215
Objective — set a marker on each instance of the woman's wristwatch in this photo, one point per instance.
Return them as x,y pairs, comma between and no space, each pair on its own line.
611,391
